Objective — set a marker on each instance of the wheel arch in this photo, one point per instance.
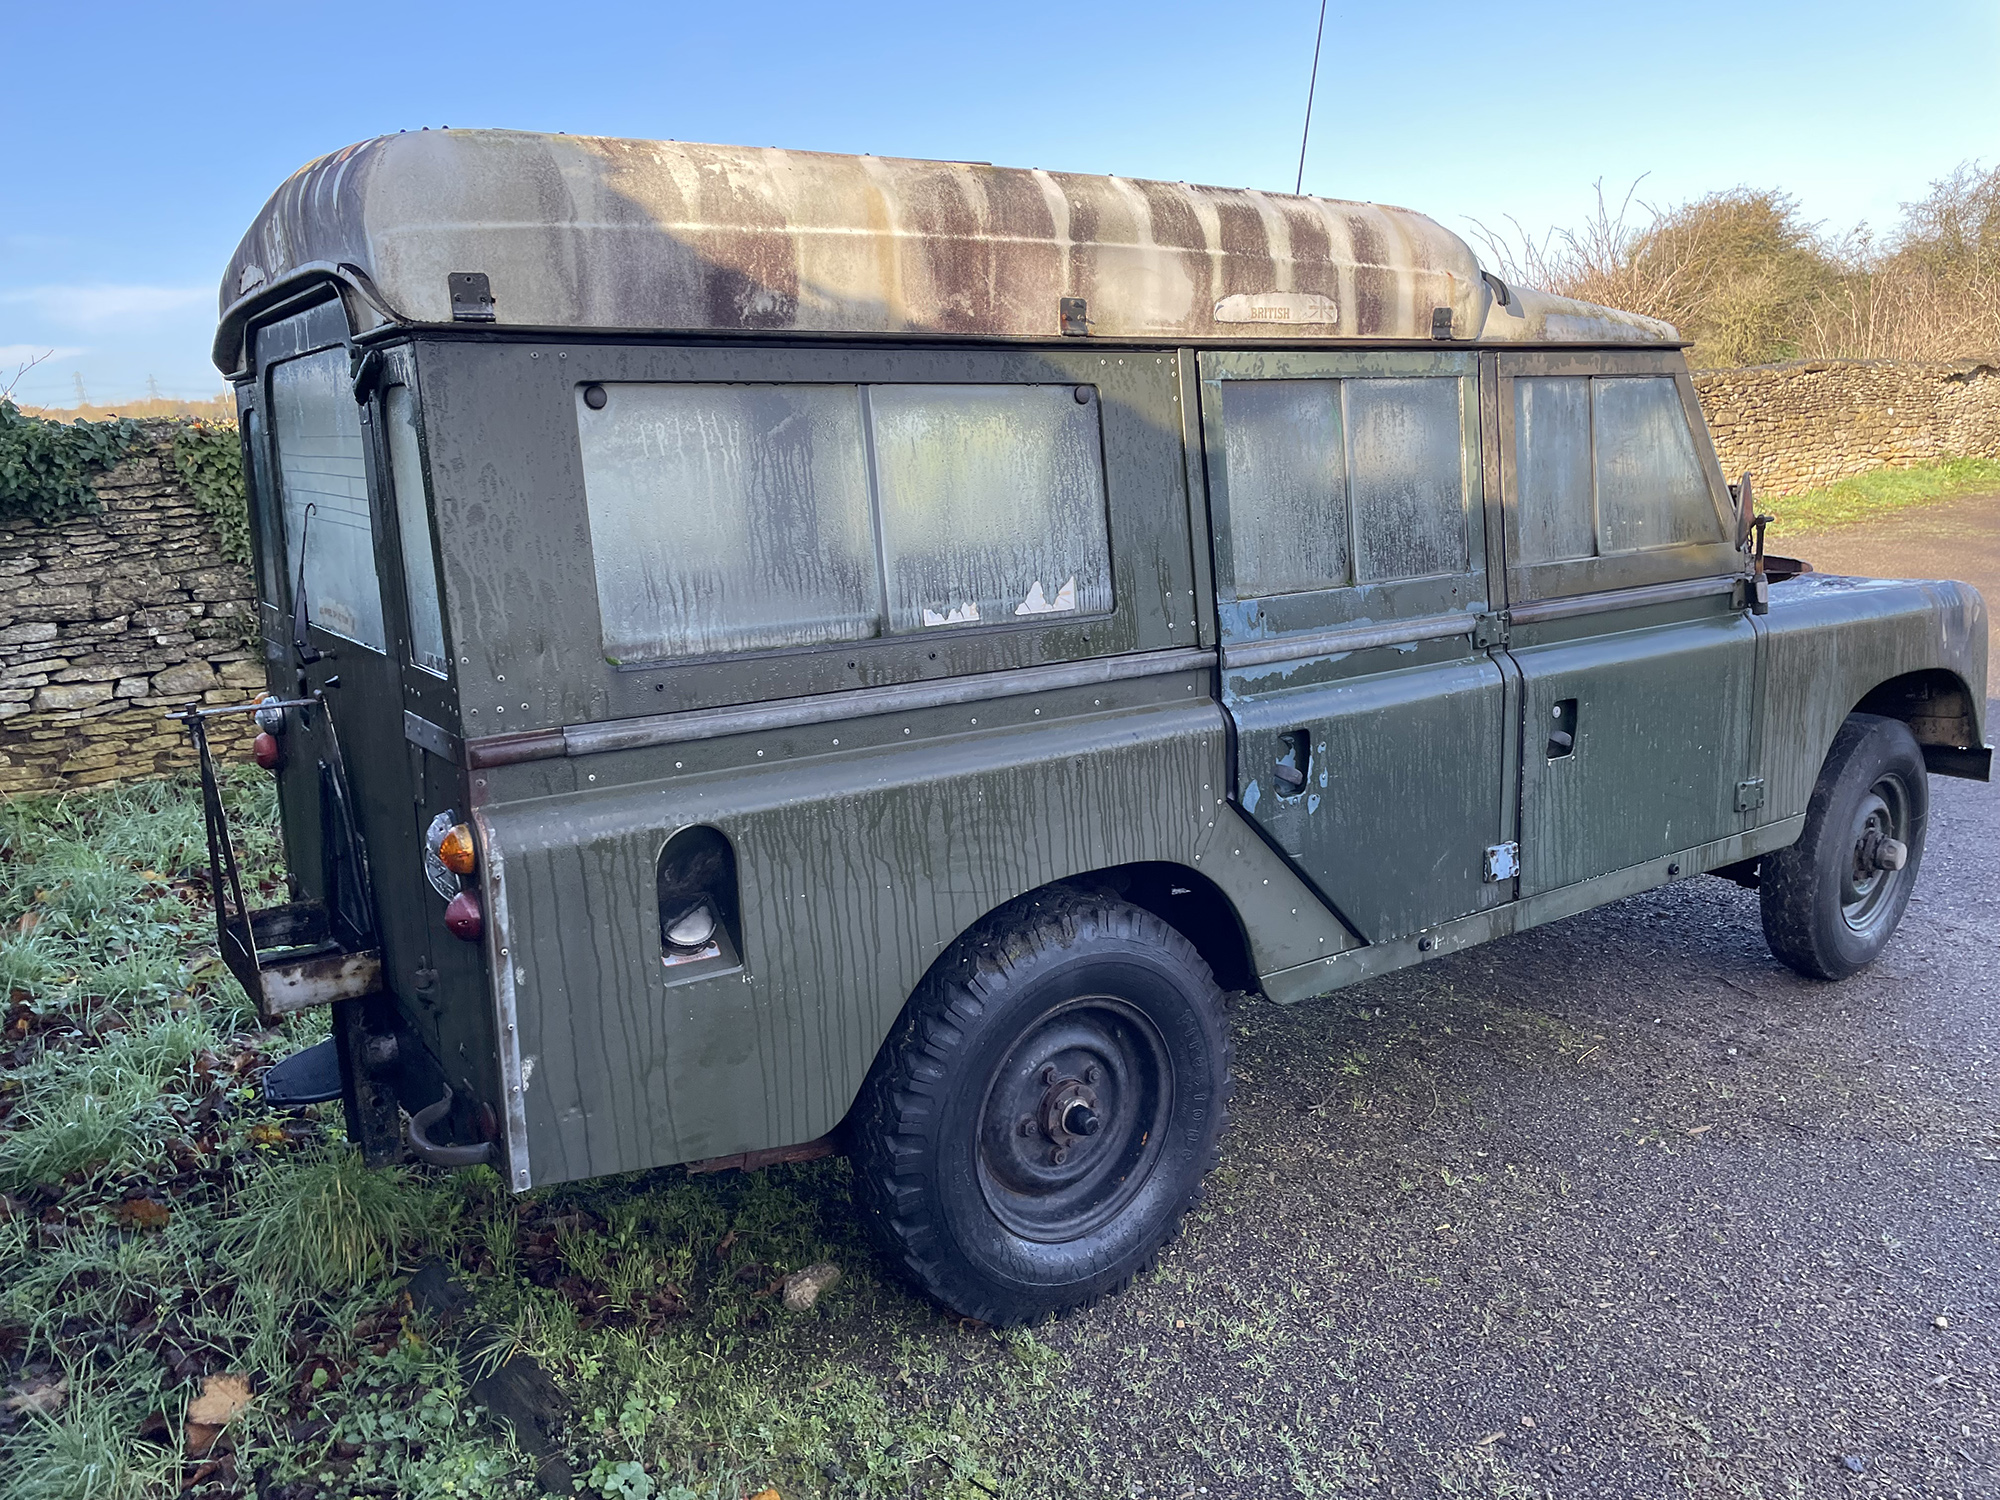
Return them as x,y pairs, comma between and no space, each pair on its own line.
1942,715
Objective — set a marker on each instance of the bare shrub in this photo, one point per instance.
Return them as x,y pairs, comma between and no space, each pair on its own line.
1748,280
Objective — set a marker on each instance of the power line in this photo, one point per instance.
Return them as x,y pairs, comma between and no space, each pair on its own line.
1306,134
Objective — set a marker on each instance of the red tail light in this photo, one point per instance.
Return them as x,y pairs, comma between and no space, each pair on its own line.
463,917
266,751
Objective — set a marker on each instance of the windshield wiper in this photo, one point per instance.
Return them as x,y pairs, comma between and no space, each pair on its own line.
305,653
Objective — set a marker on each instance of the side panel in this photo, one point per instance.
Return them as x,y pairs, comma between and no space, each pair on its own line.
1660,721
1403,794
1829,641
859,864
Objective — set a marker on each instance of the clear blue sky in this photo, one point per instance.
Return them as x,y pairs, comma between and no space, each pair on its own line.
144,138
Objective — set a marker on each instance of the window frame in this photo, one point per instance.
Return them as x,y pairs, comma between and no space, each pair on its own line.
506,472
1247,617
882,539
268,364
1608,572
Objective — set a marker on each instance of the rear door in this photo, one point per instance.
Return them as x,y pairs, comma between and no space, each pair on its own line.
322,506
1347,492
1637,658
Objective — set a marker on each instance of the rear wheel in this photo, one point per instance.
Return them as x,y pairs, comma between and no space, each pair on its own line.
1833,900
1046,1110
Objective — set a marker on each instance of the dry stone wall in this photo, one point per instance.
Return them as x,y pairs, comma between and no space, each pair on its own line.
108,620
1802,425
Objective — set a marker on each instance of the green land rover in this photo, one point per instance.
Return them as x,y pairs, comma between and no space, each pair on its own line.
773,653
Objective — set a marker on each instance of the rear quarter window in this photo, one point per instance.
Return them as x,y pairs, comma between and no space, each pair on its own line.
758,517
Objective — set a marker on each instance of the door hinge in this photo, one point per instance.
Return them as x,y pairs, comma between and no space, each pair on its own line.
1750,794
1489,631
1503,862
471,296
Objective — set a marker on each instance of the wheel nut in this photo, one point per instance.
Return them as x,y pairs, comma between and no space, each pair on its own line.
1049,1074
1059,1156
1027,1125
1092,1073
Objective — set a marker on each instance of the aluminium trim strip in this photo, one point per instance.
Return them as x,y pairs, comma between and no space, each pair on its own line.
506,1008
1348,638
715,723
1542,610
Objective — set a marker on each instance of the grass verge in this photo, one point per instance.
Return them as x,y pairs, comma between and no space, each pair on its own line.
200,1296
1869,497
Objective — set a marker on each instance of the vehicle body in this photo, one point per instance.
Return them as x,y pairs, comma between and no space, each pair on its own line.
854,549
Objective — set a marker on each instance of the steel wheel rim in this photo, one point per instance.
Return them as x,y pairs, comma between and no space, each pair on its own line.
1099,1052
1867,892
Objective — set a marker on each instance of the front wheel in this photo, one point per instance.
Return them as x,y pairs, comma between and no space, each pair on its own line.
1046,1109
1832,900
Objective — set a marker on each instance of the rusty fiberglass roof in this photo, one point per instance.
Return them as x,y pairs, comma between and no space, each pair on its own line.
578,232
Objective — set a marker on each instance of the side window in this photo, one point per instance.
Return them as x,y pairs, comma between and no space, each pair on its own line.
1651,491
1407,447
992,502
317,430
413,527
1334,483
1557,519
727,517
270,588
1606,464
754,517
1287,471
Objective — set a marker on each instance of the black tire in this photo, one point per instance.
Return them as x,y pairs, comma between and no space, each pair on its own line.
972,1163
1829,904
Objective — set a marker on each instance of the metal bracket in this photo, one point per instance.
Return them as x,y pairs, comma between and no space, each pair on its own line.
1075,316
1750,794
471,297
1489,631
1440,322
1503,862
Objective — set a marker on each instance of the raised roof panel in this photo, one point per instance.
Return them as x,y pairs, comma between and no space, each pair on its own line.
594,233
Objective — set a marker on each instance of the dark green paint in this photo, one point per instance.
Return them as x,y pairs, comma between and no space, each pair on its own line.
868,840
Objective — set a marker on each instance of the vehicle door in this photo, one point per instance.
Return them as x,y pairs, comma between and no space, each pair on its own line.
423,962
1346,491
1626,619
344,779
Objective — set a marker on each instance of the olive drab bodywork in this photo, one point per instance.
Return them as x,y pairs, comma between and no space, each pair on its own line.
760,568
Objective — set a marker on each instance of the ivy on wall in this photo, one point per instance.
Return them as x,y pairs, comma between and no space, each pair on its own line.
210,459
46,467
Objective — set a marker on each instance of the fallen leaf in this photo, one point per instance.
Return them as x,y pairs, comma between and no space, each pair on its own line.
143,1213
223,1398
1698,1129
270,1133
153,876
43,1396
767,1495
28,922
722,1247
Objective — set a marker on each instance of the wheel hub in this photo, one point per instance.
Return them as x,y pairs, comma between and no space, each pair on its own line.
1074,1118
1880,853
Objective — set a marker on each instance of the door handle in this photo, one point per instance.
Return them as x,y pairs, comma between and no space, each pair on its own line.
1294,765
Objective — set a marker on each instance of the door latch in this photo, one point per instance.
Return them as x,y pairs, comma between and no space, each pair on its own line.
1503,862
1489,631
1294,766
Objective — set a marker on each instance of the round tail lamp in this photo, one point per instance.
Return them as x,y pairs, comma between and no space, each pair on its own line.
463,916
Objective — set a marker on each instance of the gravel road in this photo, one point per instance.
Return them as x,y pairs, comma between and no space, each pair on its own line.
1618,1207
